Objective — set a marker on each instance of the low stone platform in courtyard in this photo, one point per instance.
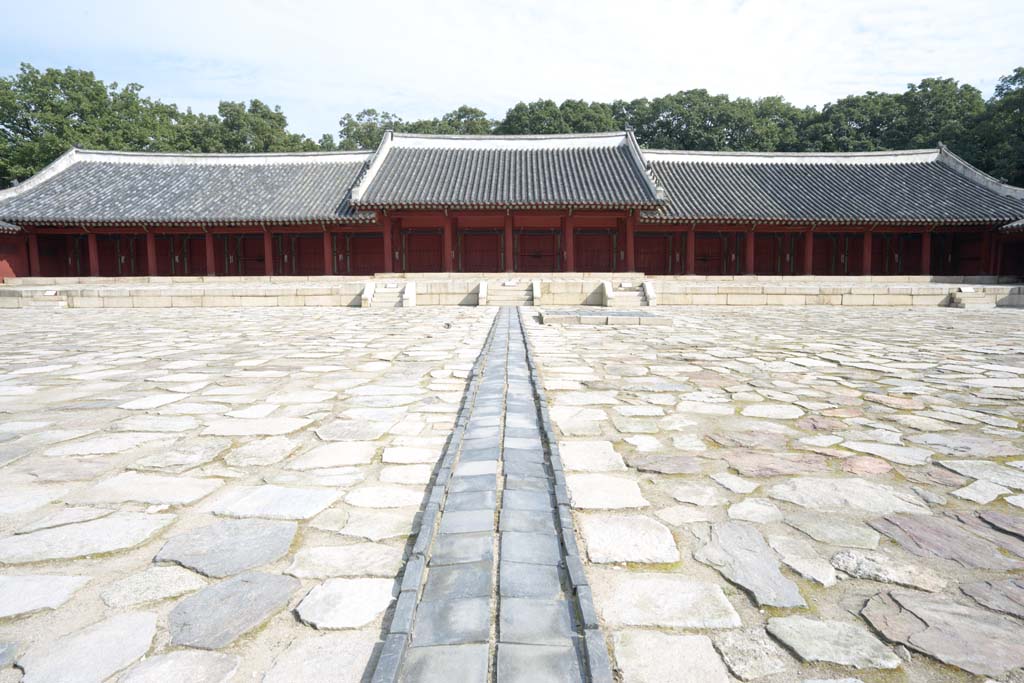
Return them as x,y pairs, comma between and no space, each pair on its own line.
768,494
612,290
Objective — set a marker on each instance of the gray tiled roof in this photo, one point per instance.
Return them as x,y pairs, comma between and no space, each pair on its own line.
604,170
124,188
917,187
9,228
1016,226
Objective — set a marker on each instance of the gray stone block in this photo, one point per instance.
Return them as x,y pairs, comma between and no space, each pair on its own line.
518,546
536,622
459,548
538,664
520,580
468,521
448,582
452,622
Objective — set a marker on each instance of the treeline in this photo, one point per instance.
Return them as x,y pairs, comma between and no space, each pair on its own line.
44,113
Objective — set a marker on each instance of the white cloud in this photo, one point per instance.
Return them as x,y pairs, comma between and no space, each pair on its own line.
318,59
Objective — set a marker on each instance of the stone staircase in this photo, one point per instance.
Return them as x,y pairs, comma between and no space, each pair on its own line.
628,295
388,295
510,293
972,299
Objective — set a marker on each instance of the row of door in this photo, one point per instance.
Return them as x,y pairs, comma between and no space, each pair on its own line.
483,251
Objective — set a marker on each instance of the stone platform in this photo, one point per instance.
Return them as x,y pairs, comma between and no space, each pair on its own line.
610,290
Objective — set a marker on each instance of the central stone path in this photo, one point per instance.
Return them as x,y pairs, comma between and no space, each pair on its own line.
494,589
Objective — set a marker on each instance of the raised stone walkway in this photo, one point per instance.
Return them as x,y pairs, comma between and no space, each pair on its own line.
494,589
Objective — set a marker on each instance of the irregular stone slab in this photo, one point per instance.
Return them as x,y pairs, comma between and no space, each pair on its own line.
104,444
20,499
1006,595
704,495
773,411
627,538
660,600
800,556
847,494
358,559
904,455
267,451
967,445
410,455
981,491
822,640
354,430
336,657
156,423
589,456
734,483
115,532
604,492
374,525
346,603
835,531
990,532
1011,524
882,568
988,471
8,653
691,654
864,464
184,665
973,639
385,497
268,426
779,464
151,401
750,653
25,593
335,454
193,453
275,502
229,547
149,488
760,510
155,583
944,537
92,654
739,552
677,515
665,464
217,615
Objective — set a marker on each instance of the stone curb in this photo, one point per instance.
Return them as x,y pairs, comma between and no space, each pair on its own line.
597,660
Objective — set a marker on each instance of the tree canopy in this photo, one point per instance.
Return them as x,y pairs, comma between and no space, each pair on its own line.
45,113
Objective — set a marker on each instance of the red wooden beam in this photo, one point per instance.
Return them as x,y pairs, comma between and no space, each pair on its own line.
151,269
328,254
94,255
449,251
926,253
569,226
630,246
268,254
808,252
509,257
211,260
33,255
388,254
691,252
748,253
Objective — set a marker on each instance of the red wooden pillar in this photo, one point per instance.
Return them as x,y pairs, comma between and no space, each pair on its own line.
328,254
509,256
630,241
388,254
94,255
926,253
691,251
449,251
748,253
211,260
150,254
809,252
986,253
33,255
268,253
866,255
569,228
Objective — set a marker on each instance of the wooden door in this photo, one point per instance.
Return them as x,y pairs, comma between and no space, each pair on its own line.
595,251
422,251
538,252
480,252
708,253
250,255
309,254
365,254
653,253
108,250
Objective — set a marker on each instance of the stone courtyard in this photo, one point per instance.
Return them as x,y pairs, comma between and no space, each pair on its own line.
769,494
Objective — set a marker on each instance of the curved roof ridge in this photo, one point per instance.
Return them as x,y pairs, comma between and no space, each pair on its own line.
958,165
906,156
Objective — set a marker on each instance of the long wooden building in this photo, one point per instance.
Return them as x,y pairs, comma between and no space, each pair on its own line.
583,203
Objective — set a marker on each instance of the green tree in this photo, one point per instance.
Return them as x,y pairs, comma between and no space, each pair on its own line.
365,129
858,123
999,133
537,118
940,110
581,117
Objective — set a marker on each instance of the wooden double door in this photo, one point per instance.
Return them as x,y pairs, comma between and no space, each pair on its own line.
718,253
481,251
595,250
538,251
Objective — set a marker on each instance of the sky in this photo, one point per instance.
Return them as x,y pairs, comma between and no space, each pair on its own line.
318,59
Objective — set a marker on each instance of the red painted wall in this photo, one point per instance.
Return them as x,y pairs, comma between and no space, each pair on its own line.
13,256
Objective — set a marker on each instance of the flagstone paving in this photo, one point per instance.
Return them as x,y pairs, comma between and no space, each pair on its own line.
234,495
840,486
190,495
